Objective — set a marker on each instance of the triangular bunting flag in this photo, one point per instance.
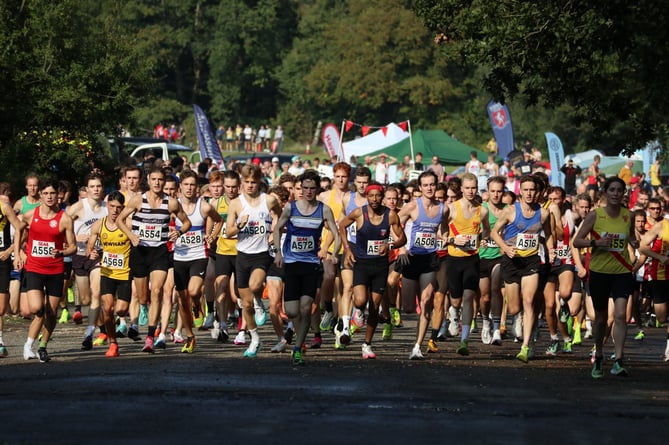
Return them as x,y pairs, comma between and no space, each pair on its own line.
365,130
385,130
348,126
403,125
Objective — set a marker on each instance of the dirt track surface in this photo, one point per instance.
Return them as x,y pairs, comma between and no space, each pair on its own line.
336,397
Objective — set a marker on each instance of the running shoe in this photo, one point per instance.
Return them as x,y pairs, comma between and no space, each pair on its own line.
297,356
552,348
87,344
618,369
597,372
453,327
64,315
252,350
28,353
240,339
666,354
474,327
345,338
215,330
518,327
77,317
387,331
496,338
70,295
148,345
357,321
3,351
566,347
564,313
208,322
288,335
577,335
441,335
133,334
223,335
523,355
367,352
415,353
113,350
327,320
260,316
432,346
197,321
177,337
100,340
640,336
189,346
122,330
396,317
463,348
316,343
279,347
43,355
160,342
354,327
592,354
588,333
486,332
143,314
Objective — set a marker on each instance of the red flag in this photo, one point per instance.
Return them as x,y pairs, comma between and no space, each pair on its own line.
365,130
348,126
385,130
403,125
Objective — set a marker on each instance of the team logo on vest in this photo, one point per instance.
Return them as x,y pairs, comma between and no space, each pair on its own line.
53,223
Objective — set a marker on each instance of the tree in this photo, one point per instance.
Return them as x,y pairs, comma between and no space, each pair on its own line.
602,57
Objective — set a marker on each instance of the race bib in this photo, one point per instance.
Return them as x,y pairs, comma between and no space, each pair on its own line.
302,243
527,241
562,251
42,249
492,244
425,240
441,244
352,230
470,244
373,246
113,260
150,232
2,239
618,242
254,228
191,239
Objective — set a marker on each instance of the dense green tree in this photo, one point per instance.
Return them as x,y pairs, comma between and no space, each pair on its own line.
603,57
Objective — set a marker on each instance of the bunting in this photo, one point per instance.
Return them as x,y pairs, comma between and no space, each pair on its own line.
365,129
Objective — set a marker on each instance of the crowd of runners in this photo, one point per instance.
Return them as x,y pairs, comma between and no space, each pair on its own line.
168,256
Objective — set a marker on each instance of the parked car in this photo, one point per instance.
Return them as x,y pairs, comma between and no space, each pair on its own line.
161,150
243,158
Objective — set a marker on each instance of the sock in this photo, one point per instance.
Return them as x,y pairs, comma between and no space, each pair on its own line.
346,319
135,327
496,323
434,334
152,331
328,306
555,337
1,343
90,330
42,344
290,325
103,329
210,307
30,342
255,338
465,332
77,308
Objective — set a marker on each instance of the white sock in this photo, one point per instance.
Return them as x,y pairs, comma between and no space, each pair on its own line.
30,342
346,319
255,338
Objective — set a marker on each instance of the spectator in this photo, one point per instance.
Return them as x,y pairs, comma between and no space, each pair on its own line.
524,167
625,173
278,140
381,167
437,168
491,146
296,168
505,168
418,165
570,171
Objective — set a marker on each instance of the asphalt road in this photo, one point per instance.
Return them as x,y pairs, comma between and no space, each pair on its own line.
336,397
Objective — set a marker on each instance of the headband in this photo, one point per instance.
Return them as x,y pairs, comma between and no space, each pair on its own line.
374,187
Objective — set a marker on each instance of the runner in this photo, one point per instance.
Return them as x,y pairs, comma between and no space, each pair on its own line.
301,256
8,247
490,273
368,256
250,217
418,259
114,259
467,222
611,230
85,213
149,258
190,251
522,224
48,228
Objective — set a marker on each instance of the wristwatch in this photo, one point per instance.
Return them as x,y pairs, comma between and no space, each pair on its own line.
593,243
451,240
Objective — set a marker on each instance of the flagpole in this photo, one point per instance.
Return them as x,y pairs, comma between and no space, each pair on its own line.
341,141
411,142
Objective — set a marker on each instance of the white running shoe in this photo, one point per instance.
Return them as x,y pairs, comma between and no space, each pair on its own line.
496,338
28,353
486,333
415,353
326,321
367,351
666,354
279,347
441,335
240,339
518,326
215,330
454,327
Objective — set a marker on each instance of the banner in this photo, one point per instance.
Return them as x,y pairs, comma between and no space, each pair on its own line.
332,141
556,154
500,119
205,138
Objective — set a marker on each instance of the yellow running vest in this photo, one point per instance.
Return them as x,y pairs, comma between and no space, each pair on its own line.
468,227
613,259
114,263
225,246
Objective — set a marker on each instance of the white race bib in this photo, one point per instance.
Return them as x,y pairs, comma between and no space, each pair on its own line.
191,239
2,239
618,242
113,260
42,249
302,244
471,242
527,241
562,251
373,246
150,232
425,240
